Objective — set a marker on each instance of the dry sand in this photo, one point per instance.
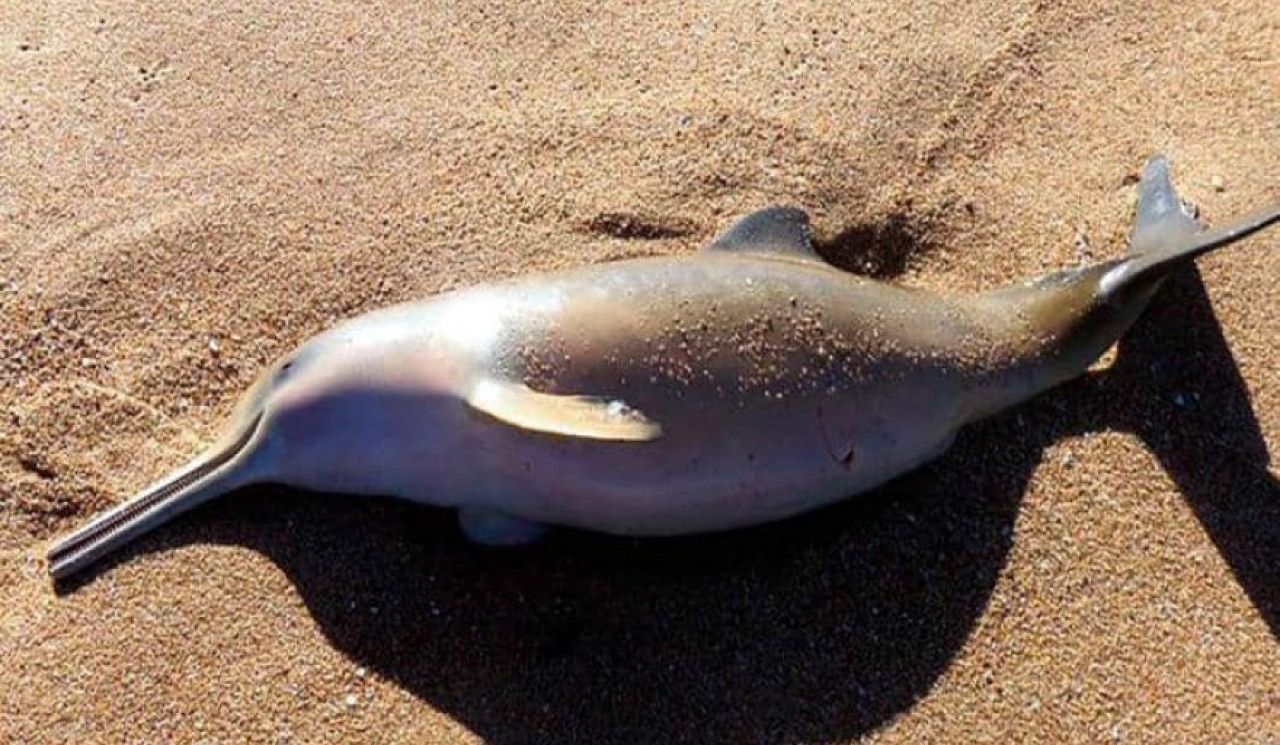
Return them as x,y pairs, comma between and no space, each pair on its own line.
189,189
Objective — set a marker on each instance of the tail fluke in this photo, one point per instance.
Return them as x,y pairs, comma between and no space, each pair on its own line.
1162,218
1166,233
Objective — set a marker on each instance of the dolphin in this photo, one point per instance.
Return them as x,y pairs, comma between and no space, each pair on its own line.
743,384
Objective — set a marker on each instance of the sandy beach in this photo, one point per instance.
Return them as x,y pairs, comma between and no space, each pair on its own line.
188,190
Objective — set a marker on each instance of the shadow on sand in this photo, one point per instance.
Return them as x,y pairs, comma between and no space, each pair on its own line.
820,628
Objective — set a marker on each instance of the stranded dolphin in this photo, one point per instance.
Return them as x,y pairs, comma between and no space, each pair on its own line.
663,396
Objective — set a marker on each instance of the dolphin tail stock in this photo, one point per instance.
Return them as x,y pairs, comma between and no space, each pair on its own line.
226,466
1076,315
1166,234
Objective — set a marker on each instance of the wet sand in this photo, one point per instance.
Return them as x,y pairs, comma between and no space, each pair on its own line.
188,191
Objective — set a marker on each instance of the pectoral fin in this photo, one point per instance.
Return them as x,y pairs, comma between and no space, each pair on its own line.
492,528
586,417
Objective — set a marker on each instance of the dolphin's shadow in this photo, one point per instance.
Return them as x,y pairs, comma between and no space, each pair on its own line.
1176,386
820,628
1183,395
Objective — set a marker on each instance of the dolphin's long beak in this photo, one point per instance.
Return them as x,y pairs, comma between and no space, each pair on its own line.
219,470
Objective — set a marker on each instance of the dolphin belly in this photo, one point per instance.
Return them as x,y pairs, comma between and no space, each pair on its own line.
726,471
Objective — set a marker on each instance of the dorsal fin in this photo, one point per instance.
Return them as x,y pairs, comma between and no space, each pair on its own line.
585,417
780,231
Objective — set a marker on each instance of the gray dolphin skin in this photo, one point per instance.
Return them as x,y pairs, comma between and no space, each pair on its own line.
663,396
